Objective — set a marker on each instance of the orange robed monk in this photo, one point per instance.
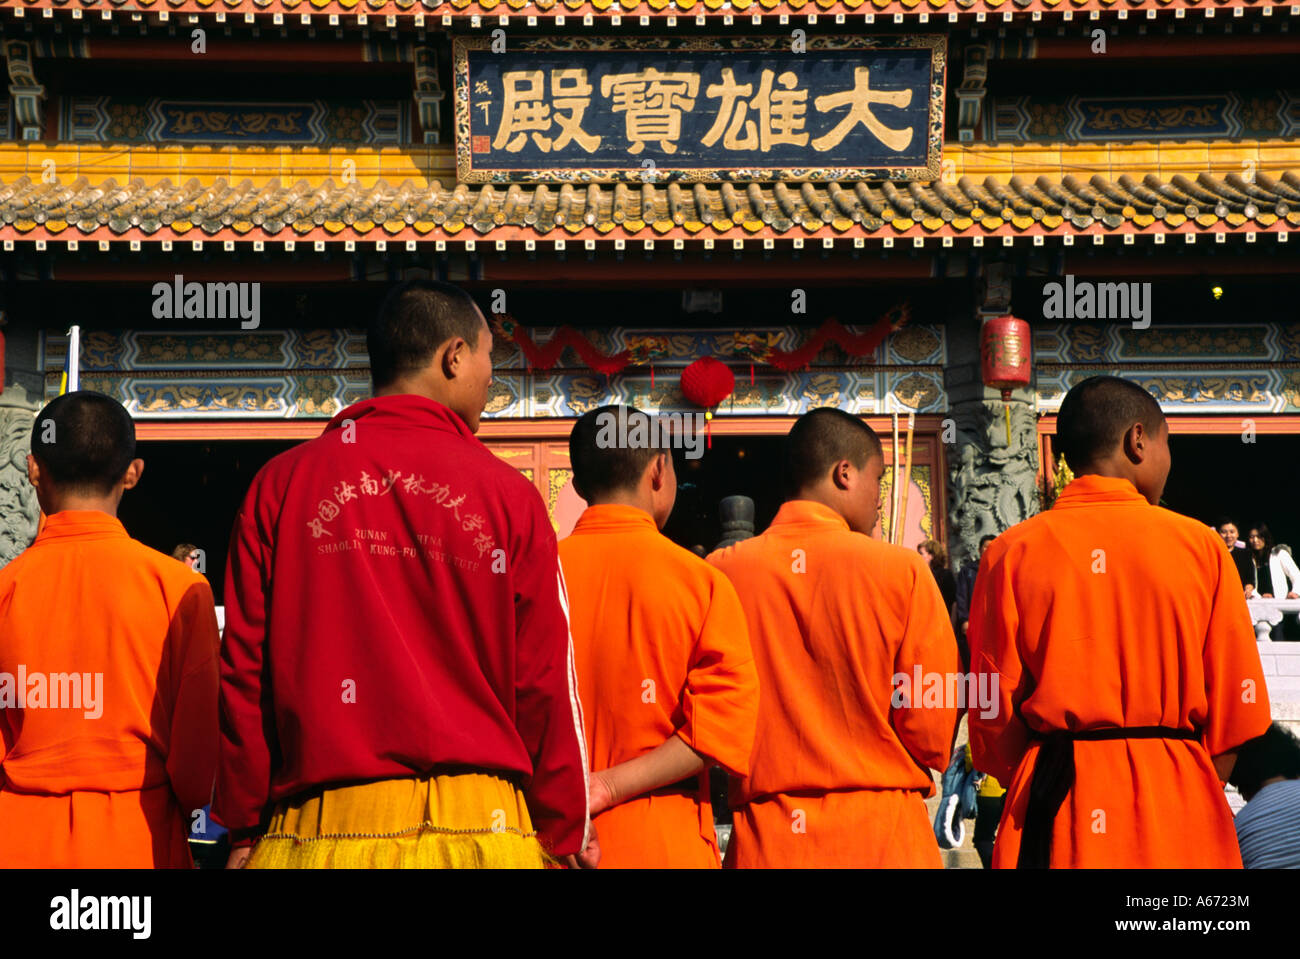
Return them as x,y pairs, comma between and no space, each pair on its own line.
661,650
1126,664
108,665
843,626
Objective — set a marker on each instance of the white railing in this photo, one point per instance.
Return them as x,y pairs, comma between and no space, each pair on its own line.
1267,613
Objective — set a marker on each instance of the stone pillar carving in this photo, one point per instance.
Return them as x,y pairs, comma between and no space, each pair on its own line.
18,507
992,480
993,484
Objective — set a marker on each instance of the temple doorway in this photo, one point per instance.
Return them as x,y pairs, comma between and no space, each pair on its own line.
1213,476
190,493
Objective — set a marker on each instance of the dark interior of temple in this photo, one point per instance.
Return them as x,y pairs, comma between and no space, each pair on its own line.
1251,482
735,466
191,491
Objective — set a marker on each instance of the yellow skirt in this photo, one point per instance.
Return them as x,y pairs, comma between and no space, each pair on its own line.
467,820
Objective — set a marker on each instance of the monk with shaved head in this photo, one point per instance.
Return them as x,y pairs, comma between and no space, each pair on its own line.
1126,664
855,651
661,648
397,685
108,665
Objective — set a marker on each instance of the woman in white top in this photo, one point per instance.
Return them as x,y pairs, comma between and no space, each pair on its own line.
1283,573
1282,580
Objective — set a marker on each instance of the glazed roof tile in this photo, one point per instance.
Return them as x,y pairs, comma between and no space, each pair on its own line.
991,206
900,10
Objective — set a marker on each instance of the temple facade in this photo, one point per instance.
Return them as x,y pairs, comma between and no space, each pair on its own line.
829,197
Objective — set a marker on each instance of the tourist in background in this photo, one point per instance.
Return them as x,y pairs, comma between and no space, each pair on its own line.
1283,576
185,553
990,794
1230,533
990,798
1270,573
936,554
1267,775
966,589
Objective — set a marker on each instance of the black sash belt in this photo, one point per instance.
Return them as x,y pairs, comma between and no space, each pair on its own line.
1053,777
690,786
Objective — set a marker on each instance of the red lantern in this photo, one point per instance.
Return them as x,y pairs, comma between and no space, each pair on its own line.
1005,353
706,382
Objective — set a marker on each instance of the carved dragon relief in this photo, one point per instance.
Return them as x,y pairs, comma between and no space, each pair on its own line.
19,510
992,484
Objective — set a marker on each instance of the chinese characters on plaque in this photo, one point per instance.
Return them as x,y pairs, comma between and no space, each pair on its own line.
701,109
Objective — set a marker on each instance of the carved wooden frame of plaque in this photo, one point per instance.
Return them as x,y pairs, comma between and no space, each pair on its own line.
936,43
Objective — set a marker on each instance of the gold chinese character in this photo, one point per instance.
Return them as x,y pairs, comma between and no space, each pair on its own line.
571,92
780,114
859,101
653,102
524,113
734,109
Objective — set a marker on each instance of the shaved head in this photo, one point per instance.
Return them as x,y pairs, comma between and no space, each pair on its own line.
415,319
1096,414
84,442
820,439
604,461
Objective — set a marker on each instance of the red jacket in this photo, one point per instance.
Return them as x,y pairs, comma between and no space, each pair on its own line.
394,603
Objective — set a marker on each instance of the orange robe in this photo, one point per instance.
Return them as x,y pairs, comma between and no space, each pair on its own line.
1106,611
838,774
105,769
661,649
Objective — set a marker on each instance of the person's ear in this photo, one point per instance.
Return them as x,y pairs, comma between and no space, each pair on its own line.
33,471
1136,443
453,355
842,475
133,473
659,472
